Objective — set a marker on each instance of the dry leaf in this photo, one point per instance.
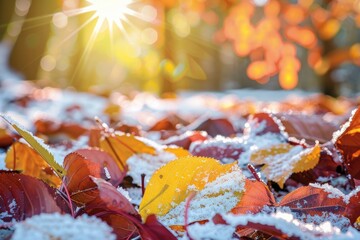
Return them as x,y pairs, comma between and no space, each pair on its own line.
280,161
121,147
23,158
171,184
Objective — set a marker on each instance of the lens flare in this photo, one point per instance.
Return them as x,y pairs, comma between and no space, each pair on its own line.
111,10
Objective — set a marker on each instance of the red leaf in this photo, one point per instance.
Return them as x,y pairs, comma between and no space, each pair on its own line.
353,206
219,149
348,144
329,166
314,201
48,127
105,161
153,230
110,199
163,124
256,196
23,196
80,186
312,128
271,123
214,127
186,139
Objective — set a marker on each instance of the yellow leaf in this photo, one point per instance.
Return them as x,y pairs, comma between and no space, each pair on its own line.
172,183
121,147
38,145
23,158
280,161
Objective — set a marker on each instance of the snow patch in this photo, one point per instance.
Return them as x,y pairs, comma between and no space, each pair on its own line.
219,196
62,227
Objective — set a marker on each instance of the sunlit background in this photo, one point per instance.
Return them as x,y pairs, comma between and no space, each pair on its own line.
170,45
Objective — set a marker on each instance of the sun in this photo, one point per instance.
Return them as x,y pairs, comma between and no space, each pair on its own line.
113,11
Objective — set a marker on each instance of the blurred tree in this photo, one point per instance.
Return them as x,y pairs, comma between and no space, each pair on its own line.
32,40
6,12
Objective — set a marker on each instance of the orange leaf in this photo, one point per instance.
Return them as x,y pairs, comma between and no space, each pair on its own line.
23,158
256,196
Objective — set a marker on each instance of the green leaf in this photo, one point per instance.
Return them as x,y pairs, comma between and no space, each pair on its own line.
38,145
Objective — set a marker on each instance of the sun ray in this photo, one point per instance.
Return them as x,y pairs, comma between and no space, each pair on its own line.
89,46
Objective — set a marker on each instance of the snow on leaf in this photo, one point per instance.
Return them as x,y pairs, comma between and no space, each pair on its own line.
218,196
38,145
280,161
21,157
347,140
62,227
171,184
284,226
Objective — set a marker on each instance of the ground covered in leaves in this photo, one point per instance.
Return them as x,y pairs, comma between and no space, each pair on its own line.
79,166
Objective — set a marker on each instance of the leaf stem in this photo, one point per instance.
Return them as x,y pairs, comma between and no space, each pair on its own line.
69,199
187,207
254,173
143,184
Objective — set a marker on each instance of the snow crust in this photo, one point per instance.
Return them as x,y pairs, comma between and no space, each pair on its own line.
279,220
62,227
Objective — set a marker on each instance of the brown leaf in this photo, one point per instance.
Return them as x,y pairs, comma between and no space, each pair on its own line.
312,128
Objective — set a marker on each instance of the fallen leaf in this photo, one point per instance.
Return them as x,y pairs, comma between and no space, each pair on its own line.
171,184
78,178
38,145
22,157
115,175
214,127
311,128
255,197
312,201
282,160
23,196
123,146
347,140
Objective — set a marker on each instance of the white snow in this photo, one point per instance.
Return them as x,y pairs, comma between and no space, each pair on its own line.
219,196
282,221
62,227
2,160
344,127
147,164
